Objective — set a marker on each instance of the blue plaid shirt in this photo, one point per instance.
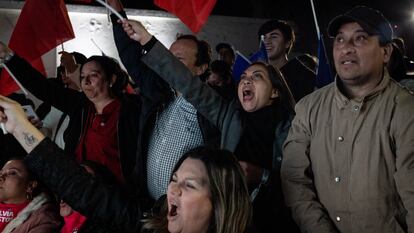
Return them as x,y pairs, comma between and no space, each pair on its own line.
175,132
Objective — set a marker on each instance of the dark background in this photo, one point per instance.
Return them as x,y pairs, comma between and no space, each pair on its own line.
299,12
398,12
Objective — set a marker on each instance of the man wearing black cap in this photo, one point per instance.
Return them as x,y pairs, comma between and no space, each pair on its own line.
279,38
349,157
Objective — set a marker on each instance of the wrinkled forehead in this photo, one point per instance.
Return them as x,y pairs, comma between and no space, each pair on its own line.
350,26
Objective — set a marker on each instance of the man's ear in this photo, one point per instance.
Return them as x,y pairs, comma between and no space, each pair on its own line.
287,45
387,49
201,69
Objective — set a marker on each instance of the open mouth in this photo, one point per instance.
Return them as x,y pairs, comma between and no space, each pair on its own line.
247,95
173,210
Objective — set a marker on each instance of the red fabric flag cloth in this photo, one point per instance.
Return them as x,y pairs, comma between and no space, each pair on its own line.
42,25
193,13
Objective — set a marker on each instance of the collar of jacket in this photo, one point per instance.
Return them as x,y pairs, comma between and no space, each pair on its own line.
34,205
342,100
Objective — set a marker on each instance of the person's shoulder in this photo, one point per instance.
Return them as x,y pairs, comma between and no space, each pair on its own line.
402,101
318,95
47,212
131,99
294,65
403,95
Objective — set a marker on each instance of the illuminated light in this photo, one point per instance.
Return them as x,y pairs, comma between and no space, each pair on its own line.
412,16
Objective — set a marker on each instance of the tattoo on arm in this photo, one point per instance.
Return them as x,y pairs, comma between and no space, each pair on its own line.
29,139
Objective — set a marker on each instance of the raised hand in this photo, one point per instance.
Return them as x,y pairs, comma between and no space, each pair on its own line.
136,31
67,60
11,114
16,123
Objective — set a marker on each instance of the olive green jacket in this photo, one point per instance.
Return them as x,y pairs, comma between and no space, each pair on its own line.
349,166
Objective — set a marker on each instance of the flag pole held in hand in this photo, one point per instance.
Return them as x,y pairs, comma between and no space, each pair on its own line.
111,9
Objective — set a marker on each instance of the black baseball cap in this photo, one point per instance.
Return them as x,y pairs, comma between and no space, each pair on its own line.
371,20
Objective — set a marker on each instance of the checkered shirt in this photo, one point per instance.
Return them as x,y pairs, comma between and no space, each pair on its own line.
175,132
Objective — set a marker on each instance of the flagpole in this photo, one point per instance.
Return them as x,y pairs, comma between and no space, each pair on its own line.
260,46
244,57
108,13
111,9
93,41
316,20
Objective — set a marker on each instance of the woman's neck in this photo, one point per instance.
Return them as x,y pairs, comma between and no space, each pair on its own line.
279,62
18,201
101,104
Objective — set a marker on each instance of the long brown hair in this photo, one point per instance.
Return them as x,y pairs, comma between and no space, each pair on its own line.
230,197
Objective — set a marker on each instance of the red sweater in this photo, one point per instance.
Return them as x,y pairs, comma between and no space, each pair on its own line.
99,142
8,212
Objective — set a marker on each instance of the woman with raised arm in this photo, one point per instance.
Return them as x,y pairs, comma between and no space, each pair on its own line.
253,126
104,120
207,192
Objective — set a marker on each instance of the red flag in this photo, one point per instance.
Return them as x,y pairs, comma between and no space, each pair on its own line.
42,25
193,13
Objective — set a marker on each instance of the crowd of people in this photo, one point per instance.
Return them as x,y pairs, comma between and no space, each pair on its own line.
190,150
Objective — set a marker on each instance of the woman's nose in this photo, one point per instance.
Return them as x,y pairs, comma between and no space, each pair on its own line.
247,80
174,189
86,81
